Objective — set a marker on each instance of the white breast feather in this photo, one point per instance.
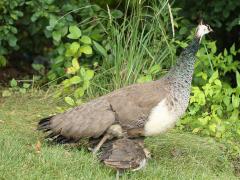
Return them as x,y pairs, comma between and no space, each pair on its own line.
160,120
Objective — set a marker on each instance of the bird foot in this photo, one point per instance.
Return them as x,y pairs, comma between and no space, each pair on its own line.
99,145
147,153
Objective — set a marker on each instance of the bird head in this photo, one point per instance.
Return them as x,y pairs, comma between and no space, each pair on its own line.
202,29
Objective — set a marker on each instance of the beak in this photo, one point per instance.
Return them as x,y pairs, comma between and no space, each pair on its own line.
210,29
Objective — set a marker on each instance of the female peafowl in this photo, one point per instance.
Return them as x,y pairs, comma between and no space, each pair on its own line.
137,110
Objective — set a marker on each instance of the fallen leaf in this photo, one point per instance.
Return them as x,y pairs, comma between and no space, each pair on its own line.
38,147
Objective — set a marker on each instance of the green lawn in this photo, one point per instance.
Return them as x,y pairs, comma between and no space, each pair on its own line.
176,155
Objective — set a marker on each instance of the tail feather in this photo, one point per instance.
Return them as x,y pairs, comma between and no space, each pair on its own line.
44,124
51,135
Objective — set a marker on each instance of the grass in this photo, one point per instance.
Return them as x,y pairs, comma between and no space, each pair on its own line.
176,155
135,43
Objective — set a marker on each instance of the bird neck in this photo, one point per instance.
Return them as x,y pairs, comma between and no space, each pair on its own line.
183,70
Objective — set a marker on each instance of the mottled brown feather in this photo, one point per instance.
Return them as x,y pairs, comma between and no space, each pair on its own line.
129,106
123,154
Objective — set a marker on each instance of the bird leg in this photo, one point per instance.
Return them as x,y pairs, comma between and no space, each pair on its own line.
147,153
114,130
102,141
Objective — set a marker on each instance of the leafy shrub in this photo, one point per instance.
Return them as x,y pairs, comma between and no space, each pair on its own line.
210,11
16,87
221,15
33,23
138,48
214,103
78,76
9,15
64,33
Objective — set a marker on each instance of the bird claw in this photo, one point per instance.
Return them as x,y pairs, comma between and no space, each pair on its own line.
147,153
99,145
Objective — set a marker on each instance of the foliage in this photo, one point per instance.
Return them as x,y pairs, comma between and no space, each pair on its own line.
9,15
68,34
221,15
215,99
77,76
210,11
16,87
138,48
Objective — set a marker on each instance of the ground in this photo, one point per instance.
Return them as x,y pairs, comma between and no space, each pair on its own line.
25,155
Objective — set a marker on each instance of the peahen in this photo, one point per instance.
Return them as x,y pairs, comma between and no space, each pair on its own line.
137,110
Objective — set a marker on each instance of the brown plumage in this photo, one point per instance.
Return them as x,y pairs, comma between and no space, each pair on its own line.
137,110
129,107
123,154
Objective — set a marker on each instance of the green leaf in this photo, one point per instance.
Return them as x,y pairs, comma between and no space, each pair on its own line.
75,32
78,93
100,49
72,49
225,53
213,77
75,64
52,22
26,85
218,82
116,14
86,40
235,101
234,115
51,75
69,101
75,80
12,40
86,49
56,35
212,127
22,90
89,74
38,67
233,50
6,93
181,44
66,83
86,84
212,46
143,79
155,69
82,72
3,61
13,83
183,30
238,79
226,100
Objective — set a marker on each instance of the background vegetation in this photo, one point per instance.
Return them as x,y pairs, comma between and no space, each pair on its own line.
80,49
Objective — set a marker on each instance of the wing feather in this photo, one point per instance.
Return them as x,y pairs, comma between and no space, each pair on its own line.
89,120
